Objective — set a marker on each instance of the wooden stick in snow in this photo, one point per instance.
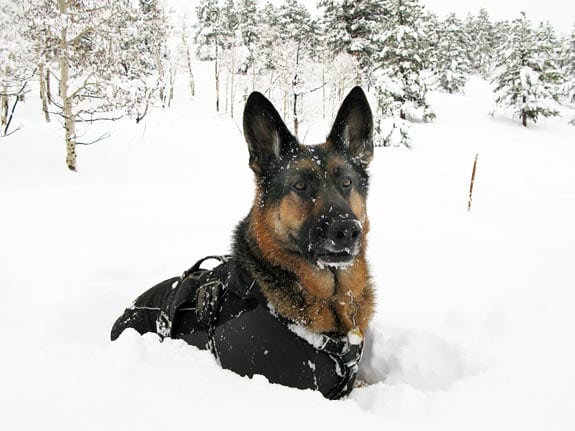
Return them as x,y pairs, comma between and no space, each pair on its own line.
471,183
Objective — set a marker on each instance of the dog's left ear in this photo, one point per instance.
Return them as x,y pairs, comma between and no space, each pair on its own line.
267,136
352,130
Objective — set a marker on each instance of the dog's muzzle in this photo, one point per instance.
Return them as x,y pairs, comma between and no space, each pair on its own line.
341,243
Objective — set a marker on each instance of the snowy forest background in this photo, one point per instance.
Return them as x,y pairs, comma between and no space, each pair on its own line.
100,60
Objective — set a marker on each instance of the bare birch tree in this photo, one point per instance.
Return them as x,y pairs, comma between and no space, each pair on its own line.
96,51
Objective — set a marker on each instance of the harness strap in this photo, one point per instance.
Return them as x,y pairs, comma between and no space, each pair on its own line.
345,351
348,364
196,268
207,298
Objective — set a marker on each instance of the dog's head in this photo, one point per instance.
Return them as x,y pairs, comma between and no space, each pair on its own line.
311,200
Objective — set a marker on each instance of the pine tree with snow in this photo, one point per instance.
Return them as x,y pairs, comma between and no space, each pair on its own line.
569,67
209,29
293,51
268,36
247,13
233,57
549,55
141,49
401,60
230,17
452,62
354,27
212,37
430,27
527,78
481,42
571,58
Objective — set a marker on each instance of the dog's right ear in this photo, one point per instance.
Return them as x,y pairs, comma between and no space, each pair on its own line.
267,136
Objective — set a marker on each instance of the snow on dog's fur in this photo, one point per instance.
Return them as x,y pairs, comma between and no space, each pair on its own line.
304,239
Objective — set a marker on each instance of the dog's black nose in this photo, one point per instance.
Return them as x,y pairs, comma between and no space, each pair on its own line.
343,234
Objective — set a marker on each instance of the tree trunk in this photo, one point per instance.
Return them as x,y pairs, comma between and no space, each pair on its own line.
4,107
172,82
227,98
524,113
4,101
524,118
285,104
253,68
233,74
69,120
295,119
190,72
43,97
295,82
161,78
269,90
19,98
48,89
217,72
323,84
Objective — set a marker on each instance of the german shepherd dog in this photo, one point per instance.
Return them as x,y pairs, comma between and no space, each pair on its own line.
298,264
304,240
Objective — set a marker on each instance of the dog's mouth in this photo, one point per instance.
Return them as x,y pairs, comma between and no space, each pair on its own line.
336,260
329,256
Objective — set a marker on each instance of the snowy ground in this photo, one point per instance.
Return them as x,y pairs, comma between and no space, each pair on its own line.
475,310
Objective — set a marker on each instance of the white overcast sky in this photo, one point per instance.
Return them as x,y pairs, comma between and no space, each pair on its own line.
560,13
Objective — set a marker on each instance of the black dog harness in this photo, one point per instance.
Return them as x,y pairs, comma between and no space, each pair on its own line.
224,311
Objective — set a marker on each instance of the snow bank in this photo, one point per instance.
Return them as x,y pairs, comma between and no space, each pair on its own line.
475,310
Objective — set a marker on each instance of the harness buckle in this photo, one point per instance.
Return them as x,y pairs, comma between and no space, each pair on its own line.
207,302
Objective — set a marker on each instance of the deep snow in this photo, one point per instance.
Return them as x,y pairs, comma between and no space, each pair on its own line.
475,310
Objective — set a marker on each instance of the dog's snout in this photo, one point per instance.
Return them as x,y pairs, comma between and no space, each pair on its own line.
344,234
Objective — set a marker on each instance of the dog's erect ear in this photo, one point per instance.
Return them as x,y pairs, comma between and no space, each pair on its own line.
352,130
267,136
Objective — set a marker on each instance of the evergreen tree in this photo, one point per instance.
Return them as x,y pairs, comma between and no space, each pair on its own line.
527,78
548,55
452,63
501,31
211,35
248,25
294,51
233,52
569,67
431,28
269,34
481,42
353,27
402,57
143,62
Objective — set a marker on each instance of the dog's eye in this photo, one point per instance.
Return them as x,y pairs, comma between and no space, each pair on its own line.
346,182
300,186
